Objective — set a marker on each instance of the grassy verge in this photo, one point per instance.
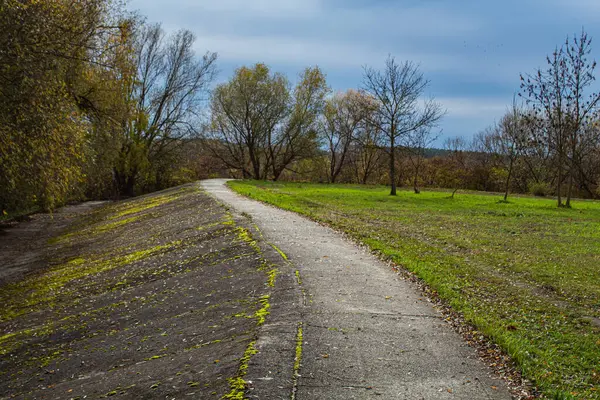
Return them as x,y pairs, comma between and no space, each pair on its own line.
525,272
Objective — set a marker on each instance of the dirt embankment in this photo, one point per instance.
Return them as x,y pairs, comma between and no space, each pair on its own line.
161,296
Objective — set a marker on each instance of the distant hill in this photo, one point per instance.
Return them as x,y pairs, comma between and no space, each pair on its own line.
430,153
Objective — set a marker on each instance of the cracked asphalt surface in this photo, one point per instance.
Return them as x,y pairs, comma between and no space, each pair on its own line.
366,332
157,297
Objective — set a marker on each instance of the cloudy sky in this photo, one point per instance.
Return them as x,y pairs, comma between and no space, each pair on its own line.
471,51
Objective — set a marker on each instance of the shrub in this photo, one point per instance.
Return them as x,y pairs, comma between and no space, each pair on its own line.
540,189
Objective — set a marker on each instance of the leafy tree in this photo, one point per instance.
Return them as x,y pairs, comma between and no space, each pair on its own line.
246,112
343,116
260,126
46,49
297,139
367,151
104,97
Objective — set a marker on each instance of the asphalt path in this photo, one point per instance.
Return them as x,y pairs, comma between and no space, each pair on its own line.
366,332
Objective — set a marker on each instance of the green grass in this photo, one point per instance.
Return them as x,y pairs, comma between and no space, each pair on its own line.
525,273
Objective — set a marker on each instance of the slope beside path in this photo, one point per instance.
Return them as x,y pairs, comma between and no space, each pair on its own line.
162,296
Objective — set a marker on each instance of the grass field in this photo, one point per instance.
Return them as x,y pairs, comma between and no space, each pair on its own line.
526,273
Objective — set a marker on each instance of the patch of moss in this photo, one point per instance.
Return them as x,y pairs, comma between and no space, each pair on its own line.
262,313
42,290
238,385
208,226
241,315
115,224
95,223
139,205
272,277
244,235
297,359
118,390
200,345
94,229
281,253
228,220
155,357
298,278
11,341
299,343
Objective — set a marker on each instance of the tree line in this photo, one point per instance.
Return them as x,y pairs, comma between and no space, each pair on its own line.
263,128
96,103
547,143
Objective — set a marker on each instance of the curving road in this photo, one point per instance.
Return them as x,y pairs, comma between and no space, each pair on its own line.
366,332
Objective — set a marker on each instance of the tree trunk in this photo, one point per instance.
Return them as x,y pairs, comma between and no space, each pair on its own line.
332,162
332,175
365,176
130,186
559,182
277,172
125,183
507,185
417,166
570,189
416,183
366,172
255,165
392,168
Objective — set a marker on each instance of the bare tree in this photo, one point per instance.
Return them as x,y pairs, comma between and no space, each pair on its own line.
511,138
557,97
586,158
457,147
416,143
397,90
167,89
